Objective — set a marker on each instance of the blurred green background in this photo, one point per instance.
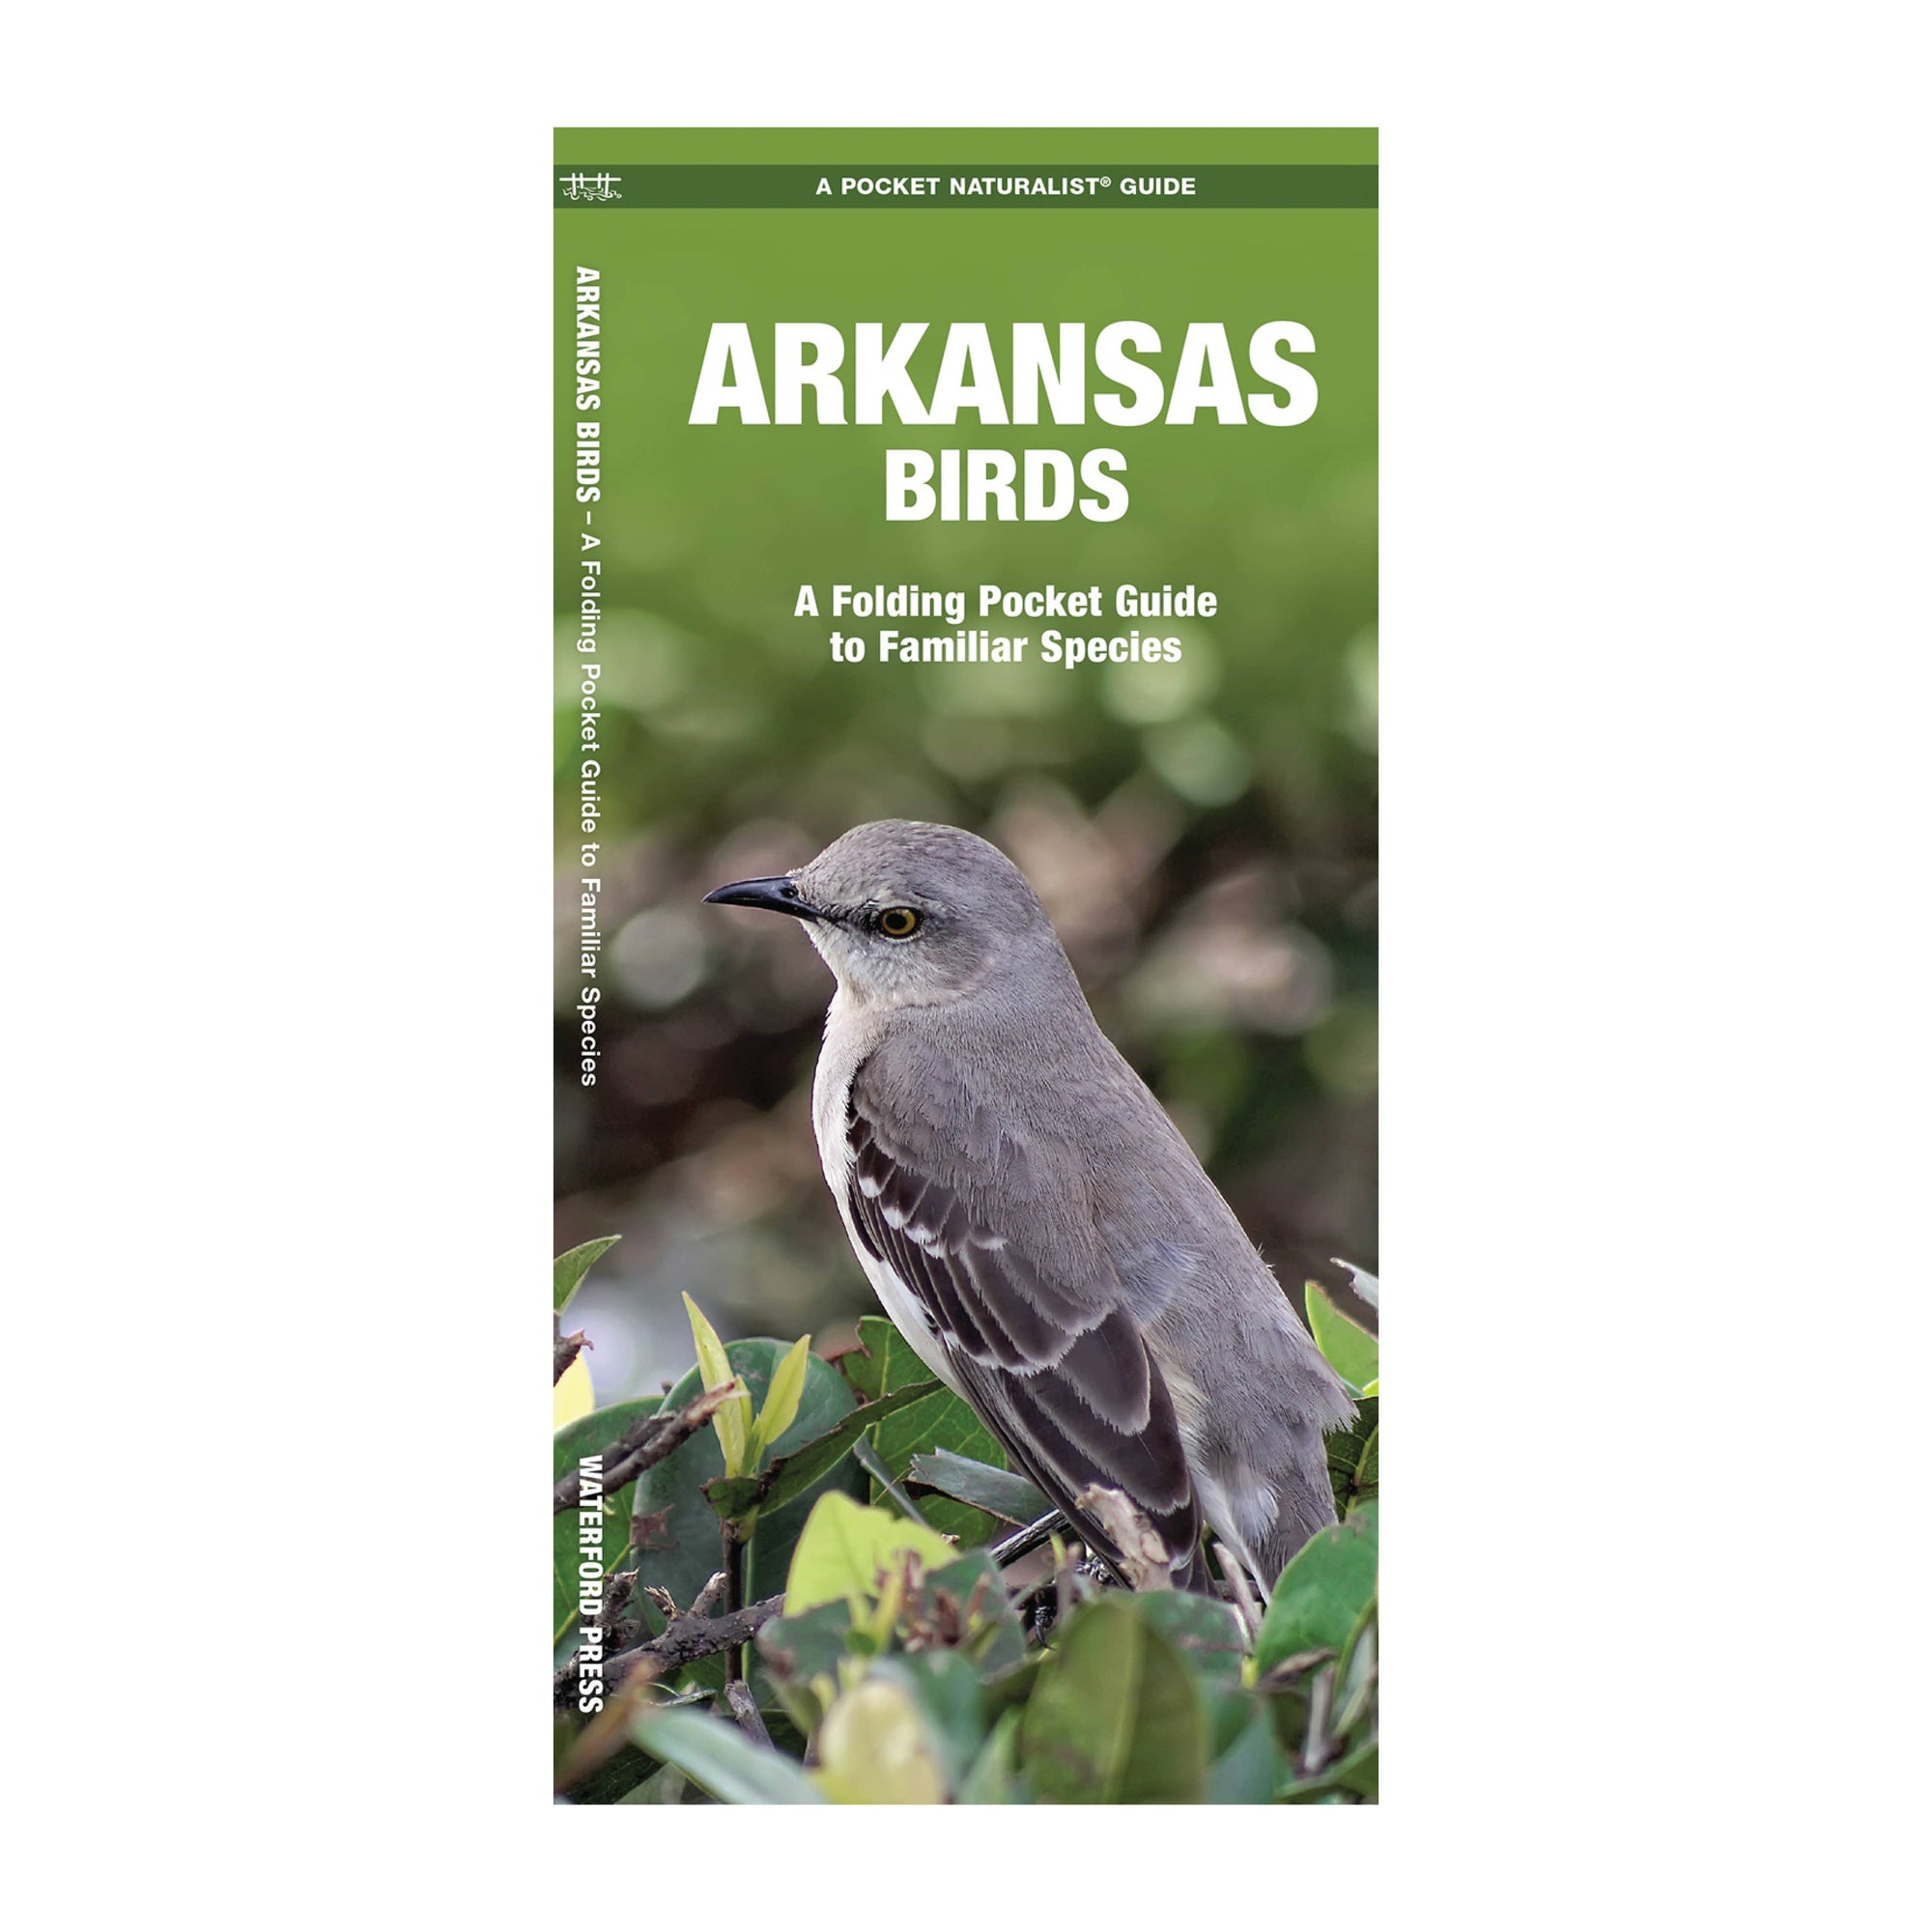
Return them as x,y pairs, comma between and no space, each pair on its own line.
1202,833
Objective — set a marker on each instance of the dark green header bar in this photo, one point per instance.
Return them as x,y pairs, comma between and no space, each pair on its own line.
621,185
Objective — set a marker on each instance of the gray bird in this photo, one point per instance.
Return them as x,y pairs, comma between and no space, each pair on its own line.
1031,1220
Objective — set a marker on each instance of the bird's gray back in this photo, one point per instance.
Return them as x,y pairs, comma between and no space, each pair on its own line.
1025,1108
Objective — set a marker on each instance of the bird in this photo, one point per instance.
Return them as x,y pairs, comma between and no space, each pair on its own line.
1036,1226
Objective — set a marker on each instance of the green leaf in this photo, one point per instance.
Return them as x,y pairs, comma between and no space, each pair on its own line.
665,1785
1356,1774
998,1490
1115,1718
994,1778
1009,1689
781,1404
885,1363
734,1497
1248,1765
886,1486
568,1269
802,1657
1355,1461
969,1527
624,1771
884,1360
693,1545
732,1420
718,1757
1322,1593
940,1420
1359,1771
810,1644
945,1688
1352,1352
790,1475
1207,1635
845,1546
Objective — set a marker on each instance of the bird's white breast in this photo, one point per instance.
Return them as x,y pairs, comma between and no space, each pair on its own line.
830,1090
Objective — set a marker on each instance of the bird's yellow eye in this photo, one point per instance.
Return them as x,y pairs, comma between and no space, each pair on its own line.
898,922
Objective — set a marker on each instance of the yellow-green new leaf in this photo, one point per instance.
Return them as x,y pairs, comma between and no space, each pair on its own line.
873,1750
781,1400
712,1362
845,1547
732,1420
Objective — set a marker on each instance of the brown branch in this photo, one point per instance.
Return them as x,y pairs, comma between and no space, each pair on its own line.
684,1640
744,1707
564,1350
644,1444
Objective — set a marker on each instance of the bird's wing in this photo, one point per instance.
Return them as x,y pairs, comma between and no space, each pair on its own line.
994,1239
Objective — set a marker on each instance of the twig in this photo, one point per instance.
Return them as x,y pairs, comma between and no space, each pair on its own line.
1276,1675
1315,1751
684,1640
1023,1542
644,1443
734,1597
1035,1535
745,1708
564,1348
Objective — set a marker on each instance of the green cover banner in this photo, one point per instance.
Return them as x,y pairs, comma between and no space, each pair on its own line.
615,184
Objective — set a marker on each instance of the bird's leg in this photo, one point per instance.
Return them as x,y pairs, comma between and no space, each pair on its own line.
1023,1542
1096,1569
1036,1614
1038,1602
1236,1578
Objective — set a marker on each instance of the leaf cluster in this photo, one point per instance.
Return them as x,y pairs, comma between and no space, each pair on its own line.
902,1664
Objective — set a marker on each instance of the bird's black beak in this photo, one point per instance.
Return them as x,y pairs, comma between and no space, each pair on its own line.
779,894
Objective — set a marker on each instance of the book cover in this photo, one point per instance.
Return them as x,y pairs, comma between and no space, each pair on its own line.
964,1356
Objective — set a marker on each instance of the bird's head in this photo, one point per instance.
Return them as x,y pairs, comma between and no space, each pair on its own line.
908,914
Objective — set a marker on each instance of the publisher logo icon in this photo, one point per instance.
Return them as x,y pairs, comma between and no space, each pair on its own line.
592,188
